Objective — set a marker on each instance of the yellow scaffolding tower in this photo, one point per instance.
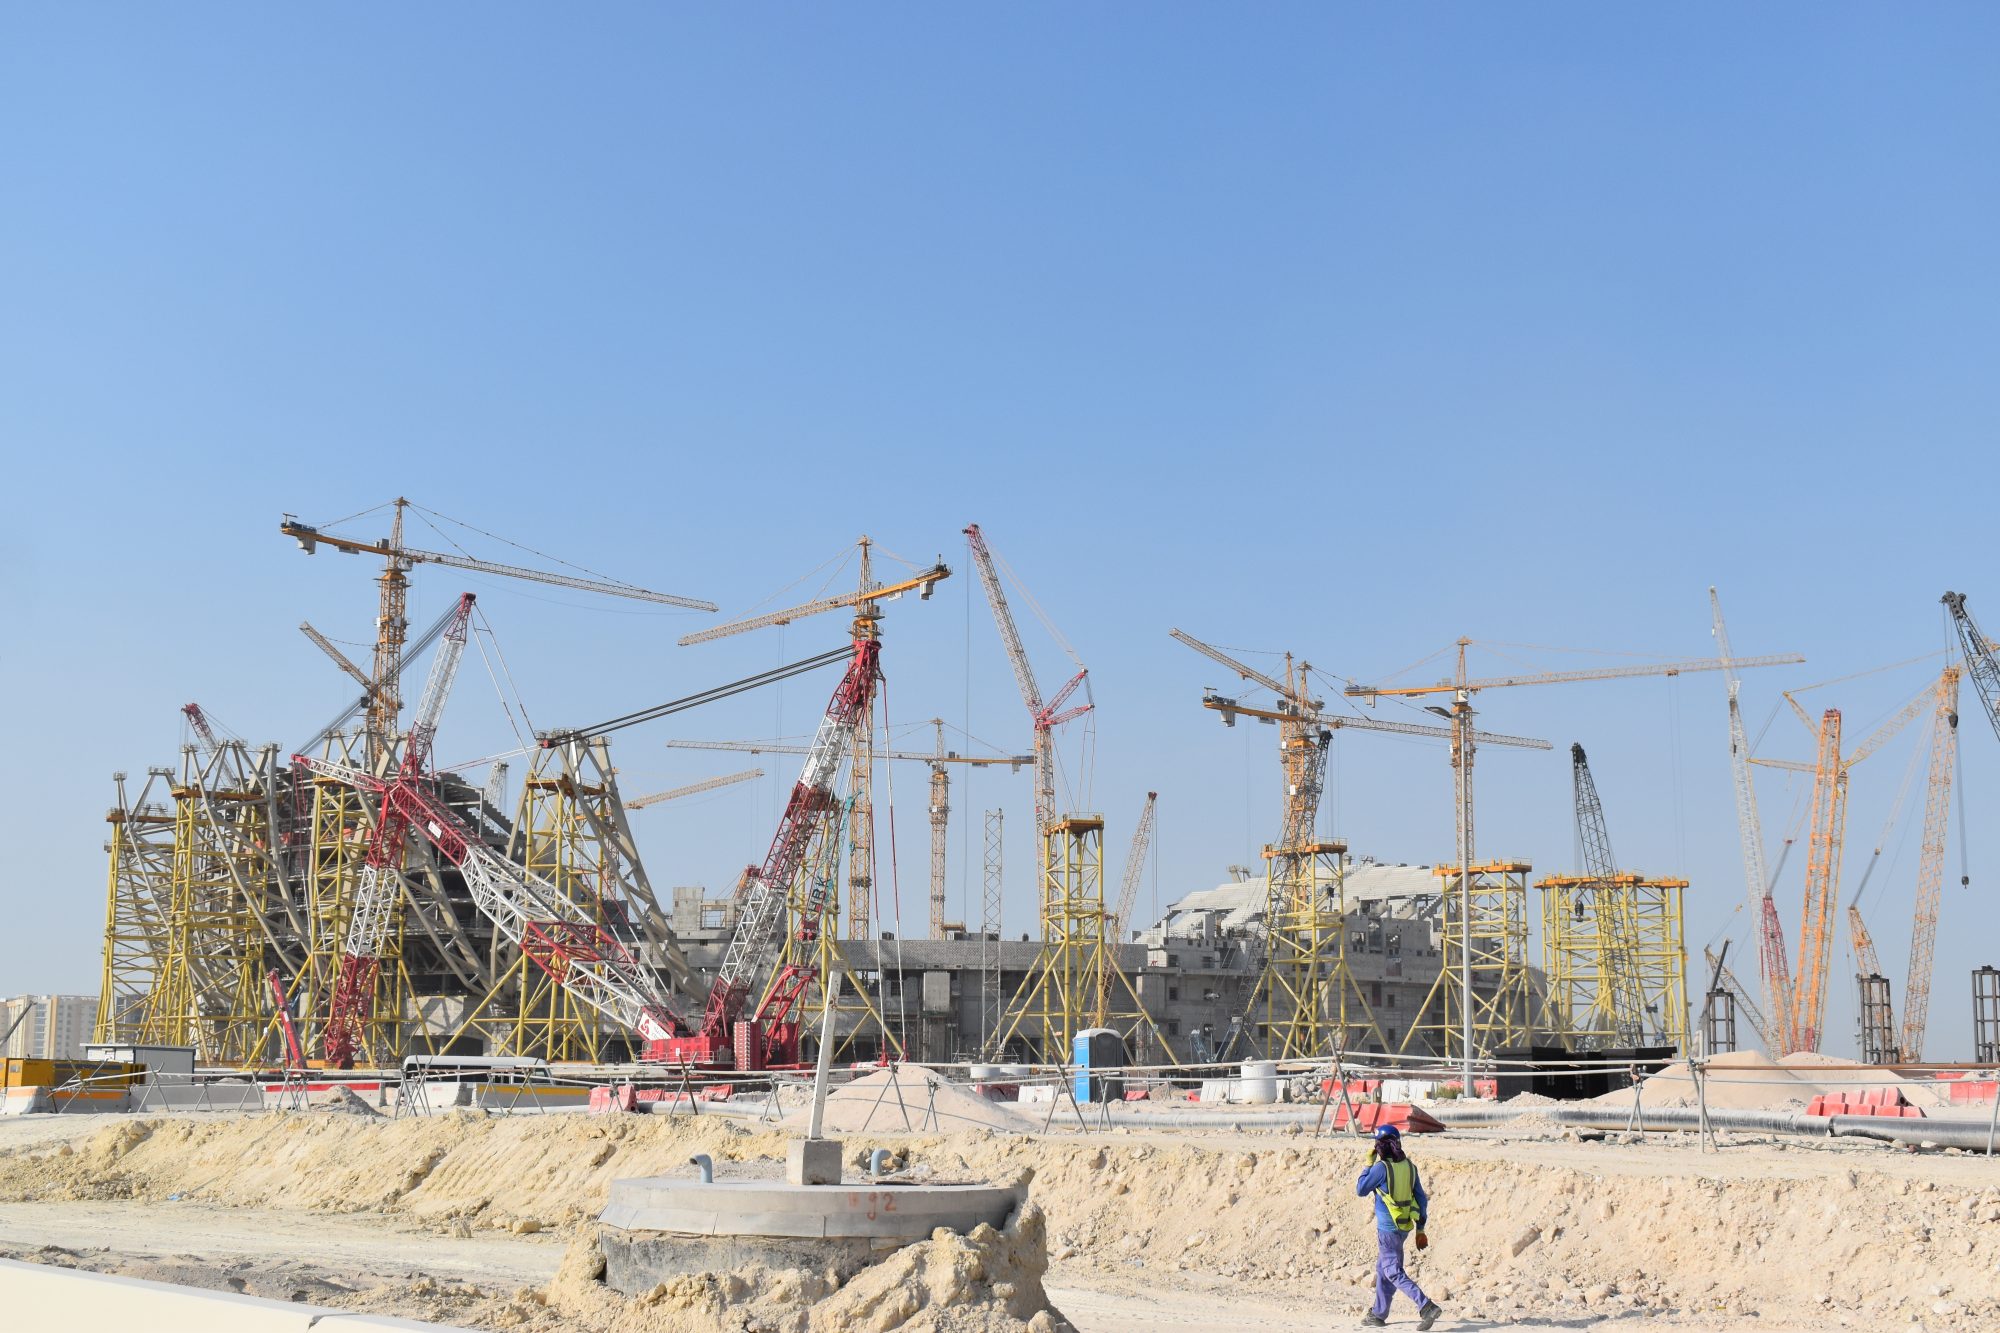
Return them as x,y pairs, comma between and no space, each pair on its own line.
1312,1003
1494,944
1580,936
1063,992
209,993
140,891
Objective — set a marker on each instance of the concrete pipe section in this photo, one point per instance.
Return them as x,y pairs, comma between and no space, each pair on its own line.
660,1227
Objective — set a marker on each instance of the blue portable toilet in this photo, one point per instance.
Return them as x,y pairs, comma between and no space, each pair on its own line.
1095,1049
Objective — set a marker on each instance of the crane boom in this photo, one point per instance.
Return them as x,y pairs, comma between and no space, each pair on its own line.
1128,897
1336,721
1825,833
694,788
1565,677
1043,717
340,659
874,592
1980,663
368,926
1930,865
1617,935
309,537
914,756
750,945
1292,695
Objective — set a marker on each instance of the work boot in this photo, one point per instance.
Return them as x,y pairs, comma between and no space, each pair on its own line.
1428,1316
1373,1320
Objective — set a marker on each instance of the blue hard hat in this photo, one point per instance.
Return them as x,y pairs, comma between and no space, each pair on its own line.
1388,1132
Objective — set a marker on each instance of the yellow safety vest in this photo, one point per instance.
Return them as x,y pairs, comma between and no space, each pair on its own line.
1399,1194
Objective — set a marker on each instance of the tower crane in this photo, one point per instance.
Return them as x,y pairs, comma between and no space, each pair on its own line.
867,600
939,761
391,626
1043,716
1617,934
1462,688
368,927
693,789
1293,916
1128,897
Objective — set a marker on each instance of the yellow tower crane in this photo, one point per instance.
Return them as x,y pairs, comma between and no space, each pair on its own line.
1461,688
867,601
391,625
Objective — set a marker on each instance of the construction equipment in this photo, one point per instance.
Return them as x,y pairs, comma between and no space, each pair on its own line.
939,761
1128,897
1771,959
368,928
693,789
1464,744
1930,865
1073,977
385,702
1306,983
1607,899
1462,688
725,1037
1739,993
867,601
1801,1029
1043,716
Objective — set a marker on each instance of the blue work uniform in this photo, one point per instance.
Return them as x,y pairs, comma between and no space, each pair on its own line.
1389,1275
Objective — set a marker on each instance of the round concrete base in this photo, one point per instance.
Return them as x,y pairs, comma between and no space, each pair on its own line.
659,1227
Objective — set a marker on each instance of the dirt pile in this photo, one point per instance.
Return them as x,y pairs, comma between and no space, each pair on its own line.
1751,1081
908,1098
986,1282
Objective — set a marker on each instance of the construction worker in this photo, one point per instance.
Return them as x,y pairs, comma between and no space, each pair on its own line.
1401,1207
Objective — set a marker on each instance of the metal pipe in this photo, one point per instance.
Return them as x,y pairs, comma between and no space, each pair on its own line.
829,991
706,1165
875,1159
1968,1134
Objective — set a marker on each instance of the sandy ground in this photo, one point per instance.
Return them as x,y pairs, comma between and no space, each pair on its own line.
468,1219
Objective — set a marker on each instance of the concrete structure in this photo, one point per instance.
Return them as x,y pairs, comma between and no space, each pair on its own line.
656,1228
52,1027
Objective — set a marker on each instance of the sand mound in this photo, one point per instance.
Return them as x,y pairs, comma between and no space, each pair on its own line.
986,1282
1750,1081
1812,1235
908,1099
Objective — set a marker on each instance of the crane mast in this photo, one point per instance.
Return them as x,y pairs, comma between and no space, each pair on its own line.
1044,717
1930,865
368,927
1771,959
1823,849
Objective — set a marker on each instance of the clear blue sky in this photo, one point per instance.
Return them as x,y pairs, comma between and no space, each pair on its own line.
1344,329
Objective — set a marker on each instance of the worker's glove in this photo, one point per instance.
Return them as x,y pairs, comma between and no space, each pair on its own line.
1423,1241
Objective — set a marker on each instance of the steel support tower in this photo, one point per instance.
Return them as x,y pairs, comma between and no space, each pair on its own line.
1492,944
137,898
1614,960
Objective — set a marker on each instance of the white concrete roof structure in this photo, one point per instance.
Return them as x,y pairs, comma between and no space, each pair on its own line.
1241,903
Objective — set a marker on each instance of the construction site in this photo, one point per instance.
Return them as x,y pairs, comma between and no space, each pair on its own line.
526,521
335,965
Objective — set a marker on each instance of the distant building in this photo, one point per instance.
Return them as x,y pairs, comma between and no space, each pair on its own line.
50,1027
